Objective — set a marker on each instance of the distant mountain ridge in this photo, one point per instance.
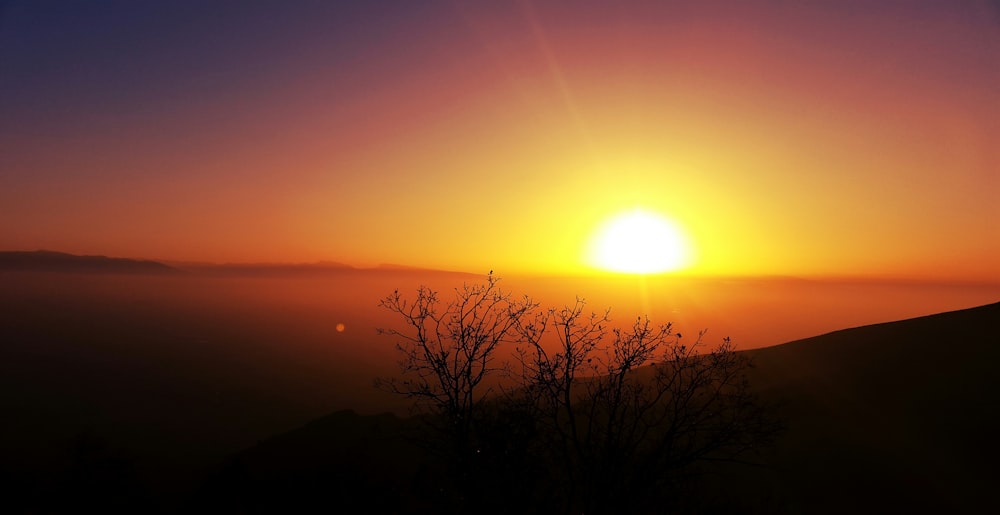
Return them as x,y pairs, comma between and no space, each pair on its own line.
253,269
47,260
54,261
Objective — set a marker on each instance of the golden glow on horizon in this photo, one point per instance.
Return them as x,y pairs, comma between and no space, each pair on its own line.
639,242
507,142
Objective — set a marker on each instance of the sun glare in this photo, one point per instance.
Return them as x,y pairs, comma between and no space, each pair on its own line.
639,242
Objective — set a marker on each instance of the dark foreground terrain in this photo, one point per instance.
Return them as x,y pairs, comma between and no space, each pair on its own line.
182,394
896,417
891,418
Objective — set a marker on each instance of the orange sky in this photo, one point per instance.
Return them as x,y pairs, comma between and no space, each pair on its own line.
835,139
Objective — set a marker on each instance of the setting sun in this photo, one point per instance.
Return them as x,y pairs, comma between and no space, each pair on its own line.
639,242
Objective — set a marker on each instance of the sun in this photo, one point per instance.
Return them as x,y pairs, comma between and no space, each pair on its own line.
639,242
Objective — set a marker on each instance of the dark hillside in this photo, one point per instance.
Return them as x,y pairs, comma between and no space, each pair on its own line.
894,416
891,418
356,463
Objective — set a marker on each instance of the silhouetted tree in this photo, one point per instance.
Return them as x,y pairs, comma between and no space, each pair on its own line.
599,418
626,409
449,360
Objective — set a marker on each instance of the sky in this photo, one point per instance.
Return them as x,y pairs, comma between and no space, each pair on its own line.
789,138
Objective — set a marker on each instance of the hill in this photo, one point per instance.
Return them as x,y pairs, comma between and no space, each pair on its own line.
888,418
893,417
353,463
49,261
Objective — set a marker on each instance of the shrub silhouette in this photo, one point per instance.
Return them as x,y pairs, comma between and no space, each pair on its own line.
548,410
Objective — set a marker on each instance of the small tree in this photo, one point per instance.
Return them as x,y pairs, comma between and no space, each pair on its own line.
626,409
450,359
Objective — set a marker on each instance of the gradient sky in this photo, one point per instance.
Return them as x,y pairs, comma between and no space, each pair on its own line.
829,138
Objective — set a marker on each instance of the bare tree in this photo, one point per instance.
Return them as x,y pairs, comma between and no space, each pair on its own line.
450,360
628,408
610,416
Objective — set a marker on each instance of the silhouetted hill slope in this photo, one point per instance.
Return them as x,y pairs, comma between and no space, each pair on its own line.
893,417
44,260
898,417
345,462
